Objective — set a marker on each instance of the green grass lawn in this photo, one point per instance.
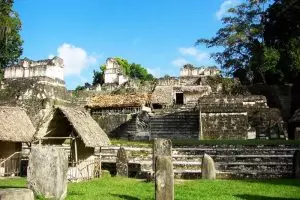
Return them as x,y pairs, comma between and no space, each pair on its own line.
180,143
133,189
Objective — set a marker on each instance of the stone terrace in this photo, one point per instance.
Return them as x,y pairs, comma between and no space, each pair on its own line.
232,161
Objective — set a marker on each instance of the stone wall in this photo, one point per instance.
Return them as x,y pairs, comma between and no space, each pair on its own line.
198,71
231,161
232,117
52,68
227,124
32,95
113,124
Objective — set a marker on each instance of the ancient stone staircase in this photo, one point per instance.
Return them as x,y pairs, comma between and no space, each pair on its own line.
179,124
230,161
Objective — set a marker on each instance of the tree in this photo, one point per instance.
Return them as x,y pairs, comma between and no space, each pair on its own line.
139,72
282,32
98,77
244,53
10,39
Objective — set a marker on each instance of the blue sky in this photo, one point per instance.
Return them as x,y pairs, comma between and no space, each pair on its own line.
159,34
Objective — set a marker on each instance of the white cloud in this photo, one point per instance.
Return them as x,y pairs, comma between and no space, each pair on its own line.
224,8
179,62
51,56
192,51
75,59
154,71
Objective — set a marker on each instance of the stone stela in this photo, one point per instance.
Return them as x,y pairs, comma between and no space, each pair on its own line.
163,167
47,171
161,147
208,170
122,162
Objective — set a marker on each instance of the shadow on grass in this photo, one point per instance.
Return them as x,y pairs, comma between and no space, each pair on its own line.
258,197
9,186
126,197
287,182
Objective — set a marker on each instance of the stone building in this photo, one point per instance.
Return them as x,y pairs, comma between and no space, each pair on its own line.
190,70
15,129
114,73
49,68
34,85
121,115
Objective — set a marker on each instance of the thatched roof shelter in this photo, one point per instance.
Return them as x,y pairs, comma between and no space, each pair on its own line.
62,121
162,95
119,100
15,125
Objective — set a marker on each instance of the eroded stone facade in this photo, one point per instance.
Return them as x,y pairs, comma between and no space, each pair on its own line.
51,68
114,73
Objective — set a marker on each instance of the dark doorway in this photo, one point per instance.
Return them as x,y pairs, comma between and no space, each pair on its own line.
157,106
179,98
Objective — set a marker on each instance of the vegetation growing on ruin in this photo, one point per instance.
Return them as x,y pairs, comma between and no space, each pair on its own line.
229,86
125,188
133,70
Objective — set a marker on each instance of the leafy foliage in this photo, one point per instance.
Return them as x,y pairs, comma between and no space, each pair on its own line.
260,45
10,39
282,32
98,77
240,37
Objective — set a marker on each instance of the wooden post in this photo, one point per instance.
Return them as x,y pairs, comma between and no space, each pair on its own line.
75,149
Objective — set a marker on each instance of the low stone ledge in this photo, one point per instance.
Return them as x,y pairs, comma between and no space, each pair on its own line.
16,193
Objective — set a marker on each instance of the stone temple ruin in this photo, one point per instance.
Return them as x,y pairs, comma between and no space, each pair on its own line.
192,106
51,68
197,105
113,73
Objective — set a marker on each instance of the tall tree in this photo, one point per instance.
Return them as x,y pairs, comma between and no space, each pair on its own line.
282,32
241,39
10,39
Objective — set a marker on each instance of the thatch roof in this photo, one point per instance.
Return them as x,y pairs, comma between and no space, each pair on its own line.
119,100
81,121
162,95
15,125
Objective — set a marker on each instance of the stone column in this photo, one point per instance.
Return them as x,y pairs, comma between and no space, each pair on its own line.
164,178
296,163
47,172
122,162
208,170
161,147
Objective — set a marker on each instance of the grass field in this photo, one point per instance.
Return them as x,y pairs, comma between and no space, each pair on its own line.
180,143
132,189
